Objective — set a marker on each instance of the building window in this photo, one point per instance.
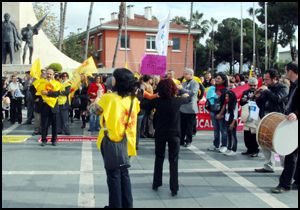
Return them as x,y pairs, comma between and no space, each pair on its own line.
100,42
150,42
176,44
123,41
92,41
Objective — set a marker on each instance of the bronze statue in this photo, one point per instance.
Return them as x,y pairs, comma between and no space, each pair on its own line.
11,41
27,36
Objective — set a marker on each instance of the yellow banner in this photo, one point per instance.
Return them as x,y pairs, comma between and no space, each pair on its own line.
14,139
35,70
43,84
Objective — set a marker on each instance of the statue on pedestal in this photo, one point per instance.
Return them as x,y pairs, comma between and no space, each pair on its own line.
27,36
11,41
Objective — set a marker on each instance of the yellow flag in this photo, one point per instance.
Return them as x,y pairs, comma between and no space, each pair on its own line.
88,67
35,70
250,72
75,84
197,79
43,84
126,65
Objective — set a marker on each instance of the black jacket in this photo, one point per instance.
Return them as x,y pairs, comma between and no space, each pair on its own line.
293,105
273,99
167,115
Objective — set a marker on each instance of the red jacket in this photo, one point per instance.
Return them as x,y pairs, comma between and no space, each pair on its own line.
93,89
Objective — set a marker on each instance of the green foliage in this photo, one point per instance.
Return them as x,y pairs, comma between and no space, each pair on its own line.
56,67
73,48
51,24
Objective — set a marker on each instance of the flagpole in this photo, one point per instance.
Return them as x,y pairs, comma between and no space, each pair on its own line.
241,58
125,19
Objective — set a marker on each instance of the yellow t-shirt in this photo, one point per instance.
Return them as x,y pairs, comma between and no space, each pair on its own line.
115,115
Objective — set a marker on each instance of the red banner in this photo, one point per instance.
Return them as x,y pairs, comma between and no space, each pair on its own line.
203,118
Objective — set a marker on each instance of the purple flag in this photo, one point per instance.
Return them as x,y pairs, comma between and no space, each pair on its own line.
154,65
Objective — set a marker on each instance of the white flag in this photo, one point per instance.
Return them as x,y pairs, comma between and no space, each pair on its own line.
162,36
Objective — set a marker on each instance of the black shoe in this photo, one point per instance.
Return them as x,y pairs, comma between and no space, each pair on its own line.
59,133
54,143
43,143
155,187
83,126
187,145
67,133
294,186
279,189
246,153
262,170
106,207
174,193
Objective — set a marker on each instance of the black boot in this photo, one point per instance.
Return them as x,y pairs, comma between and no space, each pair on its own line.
83,121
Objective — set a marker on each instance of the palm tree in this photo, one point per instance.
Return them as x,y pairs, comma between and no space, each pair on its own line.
180,20
212,23
88,31
63,10
189,34
199,24
120,18
233,31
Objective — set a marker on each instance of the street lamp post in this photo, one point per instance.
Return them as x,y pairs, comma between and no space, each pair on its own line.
266,37
254,41
241,59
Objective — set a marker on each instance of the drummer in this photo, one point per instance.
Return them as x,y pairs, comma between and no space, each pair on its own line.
290,170
270,100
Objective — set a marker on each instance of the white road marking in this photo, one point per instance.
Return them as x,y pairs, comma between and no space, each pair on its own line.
10,129
86,195
132,171
255,190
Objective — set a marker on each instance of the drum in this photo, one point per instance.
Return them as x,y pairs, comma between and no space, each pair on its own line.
277,133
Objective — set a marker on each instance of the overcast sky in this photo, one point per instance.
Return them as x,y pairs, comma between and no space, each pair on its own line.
77,12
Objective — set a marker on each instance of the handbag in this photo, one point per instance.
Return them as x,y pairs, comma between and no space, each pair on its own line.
115,154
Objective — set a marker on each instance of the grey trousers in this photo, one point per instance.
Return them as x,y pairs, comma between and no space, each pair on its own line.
37,122
62,121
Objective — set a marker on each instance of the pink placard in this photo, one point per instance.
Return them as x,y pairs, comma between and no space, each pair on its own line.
154,65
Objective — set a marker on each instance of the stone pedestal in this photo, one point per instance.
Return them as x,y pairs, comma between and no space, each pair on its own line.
9,69
22,14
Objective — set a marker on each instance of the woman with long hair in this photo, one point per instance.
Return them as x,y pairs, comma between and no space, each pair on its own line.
116,124
167,130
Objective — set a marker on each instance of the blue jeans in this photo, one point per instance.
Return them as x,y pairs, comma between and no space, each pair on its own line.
94,122
219,127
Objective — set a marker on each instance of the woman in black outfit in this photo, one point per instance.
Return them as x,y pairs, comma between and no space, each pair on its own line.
167,129
84,98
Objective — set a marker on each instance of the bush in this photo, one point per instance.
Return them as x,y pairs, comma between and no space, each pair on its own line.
56,67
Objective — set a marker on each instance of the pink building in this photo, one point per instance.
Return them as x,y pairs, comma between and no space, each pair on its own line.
141,32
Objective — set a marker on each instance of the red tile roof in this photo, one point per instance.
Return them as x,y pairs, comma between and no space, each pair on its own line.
141,21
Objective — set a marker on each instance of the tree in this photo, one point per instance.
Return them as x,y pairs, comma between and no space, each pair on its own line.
120,23
88,31
73,47
189,34
179,20
199,24
63,10
282,22
50,25
212,23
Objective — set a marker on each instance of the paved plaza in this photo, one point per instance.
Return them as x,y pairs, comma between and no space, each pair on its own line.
72,175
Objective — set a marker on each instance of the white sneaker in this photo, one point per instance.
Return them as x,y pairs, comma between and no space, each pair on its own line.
213,148
230,153
223,149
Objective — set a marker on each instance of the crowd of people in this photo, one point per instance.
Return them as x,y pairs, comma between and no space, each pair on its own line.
165,109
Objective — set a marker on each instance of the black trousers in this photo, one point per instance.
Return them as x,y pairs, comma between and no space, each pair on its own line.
232,139
119,188
16,110
290,170
173,150
250,142
187,124
47,117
